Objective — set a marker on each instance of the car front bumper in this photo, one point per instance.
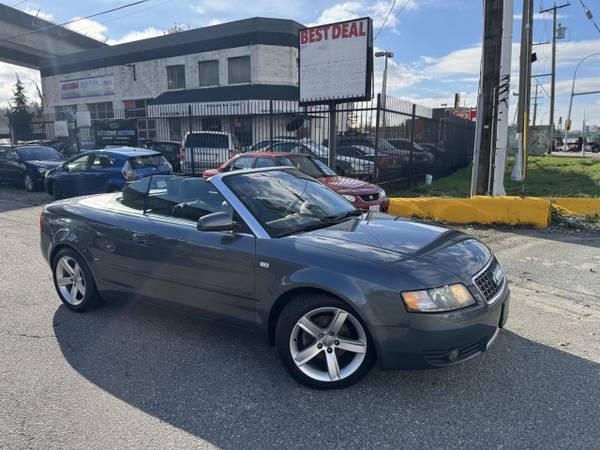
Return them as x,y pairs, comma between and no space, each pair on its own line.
444,339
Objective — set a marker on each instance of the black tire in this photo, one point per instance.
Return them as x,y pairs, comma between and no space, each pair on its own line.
297,309
90,299
29,183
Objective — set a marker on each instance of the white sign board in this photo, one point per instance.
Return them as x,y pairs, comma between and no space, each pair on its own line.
61,129
84,119
87,87
336,62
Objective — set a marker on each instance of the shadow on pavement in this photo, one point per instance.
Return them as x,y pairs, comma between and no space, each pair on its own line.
231,391
12,198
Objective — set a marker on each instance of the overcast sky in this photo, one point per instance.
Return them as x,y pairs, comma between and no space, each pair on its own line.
436,42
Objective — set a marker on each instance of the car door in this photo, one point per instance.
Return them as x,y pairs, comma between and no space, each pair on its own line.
73,176
212,272
100,169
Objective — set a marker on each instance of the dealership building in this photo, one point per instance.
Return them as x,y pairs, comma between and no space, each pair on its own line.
223,76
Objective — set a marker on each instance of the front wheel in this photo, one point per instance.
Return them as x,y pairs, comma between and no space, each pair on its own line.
322,342
29,183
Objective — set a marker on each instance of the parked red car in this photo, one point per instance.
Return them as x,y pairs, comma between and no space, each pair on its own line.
364,195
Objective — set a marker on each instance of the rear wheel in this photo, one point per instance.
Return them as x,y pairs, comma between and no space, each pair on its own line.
74,282
322,342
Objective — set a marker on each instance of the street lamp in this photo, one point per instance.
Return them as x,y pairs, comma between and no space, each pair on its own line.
384,55
568,121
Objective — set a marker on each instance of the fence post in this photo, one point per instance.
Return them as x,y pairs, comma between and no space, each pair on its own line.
271,122
192,155
77,143
412,143
377,131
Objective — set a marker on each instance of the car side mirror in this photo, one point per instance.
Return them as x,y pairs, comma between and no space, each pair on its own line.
218,221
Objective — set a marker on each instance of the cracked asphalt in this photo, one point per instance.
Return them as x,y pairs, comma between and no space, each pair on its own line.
131,375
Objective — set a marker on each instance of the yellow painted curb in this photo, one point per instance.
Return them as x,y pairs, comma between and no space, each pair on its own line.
531,211
577,206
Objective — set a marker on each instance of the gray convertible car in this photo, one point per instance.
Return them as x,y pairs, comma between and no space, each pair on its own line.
274,251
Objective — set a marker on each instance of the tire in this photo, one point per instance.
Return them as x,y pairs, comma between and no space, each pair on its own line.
350,345
66,265
29,183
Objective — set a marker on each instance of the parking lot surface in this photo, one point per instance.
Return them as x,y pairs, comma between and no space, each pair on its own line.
131,375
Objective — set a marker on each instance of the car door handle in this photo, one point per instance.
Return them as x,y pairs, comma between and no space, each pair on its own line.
139,238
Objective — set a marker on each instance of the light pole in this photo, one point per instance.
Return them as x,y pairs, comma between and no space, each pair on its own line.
385,55
568,122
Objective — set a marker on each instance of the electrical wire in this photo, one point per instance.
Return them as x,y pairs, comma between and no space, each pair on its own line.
59,25
385,21
589,15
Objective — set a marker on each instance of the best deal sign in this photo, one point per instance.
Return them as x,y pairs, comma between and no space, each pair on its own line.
336,62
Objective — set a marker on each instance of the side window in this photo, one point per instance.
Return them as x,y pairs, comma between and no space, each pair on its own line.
102,161
265,162
78,164
183,198
244,162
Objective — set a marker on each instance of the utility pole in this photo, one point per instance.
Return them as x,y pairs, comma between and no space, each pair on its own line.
519,169
489,83
554,10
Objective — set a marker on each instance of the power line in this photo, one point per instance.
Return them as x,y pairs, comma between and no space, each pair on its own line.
589,15
385,21
75,20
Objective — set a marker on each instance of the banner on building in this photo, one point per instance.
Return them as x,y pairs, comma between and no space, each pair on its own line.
115,132
87,87
336,62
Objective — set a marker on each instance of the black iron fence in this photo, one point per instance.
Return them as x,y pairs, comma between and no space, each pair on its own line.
391,142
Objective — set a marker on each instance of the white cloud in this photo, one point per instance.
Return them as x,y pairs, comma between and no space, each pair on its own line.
214,21
89,28
137,35
377,10
540,16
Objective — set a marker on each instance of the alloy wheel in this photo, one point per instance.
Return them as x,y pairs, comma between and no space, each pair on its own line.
70,280
29,183
328,344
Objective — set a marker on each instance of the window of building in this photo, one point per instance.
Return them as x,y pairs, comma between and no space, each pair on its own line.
103,110
208,73
65,112
176,77
211,124
136,109
239,69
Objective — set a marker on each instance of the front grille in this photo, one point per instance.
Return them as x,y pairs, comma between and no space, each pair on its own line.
441,357
490,281
370,197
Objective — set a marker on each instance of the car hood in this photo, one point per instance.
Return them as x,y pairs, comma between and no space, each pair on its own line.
404,245
45,164
347,185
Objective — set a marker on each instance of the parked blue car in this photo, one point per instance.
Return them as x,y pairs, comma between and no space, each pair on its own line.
100,171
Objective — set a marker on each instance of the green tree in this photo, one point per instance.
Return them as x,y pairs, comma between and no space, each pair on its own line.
19,113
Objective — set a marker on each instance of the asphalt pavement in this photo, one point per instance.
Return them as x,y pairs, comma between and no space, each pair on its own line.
131,375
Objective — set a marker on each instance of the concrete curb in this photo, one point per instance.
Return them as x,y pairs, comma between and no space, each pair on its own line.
574,206
531,211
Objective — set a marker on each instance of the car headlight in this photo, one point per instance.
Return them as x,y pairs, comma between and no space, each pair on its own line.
446,298
382,194
350,198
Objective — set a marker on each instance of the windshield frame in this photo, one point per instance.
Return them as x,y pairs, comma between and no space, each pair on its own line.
223,183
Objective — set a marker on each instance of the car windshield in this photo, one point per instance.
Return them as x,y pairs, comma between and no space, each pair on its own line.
310,166
39,154
288,201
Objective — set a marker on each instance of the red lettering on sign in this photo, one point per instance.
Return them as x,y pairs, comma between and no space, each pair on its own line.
303,36
337,31
345,30
326,30
353,30
361,31
318,34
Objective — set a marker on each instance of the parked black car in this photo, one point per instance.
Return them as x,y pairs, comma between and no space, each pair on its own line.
170,150
27,165
280,254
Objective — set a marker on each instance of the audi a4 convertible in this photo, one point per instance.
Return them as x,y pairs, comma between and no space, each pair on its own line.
275,252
